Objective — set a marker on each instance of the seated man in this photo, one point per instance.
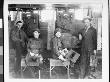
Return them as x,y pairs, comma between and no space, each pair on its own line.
35,48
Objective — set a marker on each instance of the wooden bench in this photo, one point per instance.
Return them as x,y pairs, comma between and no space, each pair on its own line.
25,65
58,62
55,62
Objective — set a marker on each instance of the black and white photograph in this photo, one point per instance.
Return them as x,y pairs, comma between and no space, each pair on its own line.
55,40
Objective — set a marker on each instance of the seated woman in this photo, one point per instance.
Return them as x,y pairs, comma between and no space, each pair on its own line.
56,43
62,48
35,48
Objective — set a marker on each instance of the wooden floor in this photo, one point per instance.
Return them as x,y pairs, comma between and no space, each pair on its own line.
57,73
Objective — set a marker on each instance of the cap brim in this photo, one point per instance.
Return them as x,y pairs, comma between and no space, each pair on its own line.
17,21
87,19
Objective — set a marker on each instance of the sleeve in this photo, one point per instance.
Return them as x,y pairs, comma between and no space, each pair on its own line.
81,34
25,37
41,47
13,36
51,43
28,45
95,39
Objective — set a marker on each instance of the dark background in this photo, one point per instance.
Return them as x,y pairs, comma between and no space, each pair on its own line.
1,17
1,8
1,37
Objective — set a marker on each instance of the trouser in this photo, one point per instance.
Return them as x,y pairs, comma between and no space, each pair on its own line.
30,58
85,64
18,58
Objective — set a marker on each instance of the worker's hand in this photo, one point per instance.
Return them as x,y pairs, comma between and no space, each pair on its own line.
36,55
32,54
62,58
80,37
95,52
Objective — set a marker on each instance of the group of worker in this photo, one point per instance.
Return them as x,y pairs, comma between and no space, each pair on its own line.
34,46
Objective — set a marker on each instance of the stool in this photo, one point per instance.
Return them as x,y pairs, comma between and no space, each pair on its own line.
25,65
57,62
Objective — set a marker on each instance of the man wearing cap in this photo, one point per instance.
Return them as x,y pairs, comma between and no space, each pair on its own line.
89,46
19,39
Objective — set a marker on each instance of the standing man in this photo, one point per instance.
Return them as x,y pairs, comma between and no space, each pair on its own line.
89,46
19,38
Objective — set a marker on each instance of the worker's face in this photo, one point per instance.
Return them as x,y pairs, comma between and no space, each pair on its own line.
36,34
87,23
28,16
20,25
58,34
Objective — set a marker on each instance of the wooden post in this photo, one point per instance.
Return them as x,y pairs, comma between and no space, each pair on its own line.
68,72
50,71
39,74
21,72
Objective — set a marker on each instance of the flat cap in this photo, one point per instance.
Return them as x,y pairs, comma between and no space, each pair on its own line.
36,29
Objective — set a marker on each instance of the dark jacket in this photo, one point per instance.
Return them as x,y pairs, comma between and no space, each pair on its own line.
56,43
89,40
89,43
18,37
35,44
